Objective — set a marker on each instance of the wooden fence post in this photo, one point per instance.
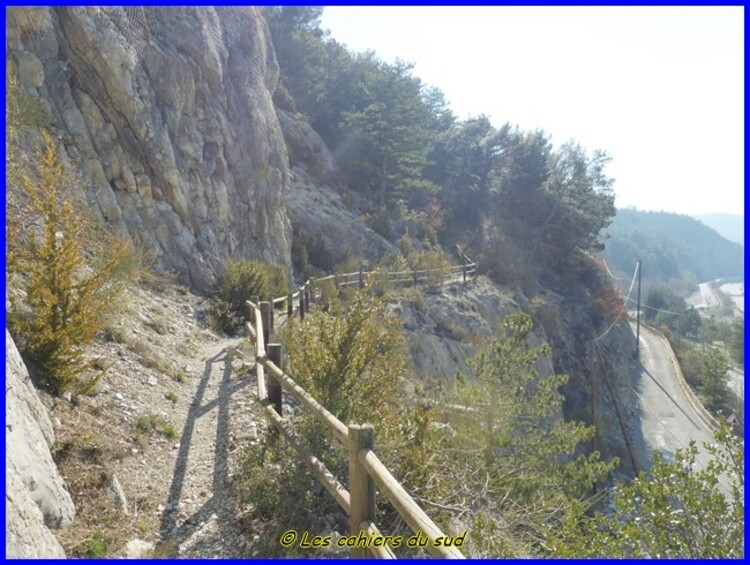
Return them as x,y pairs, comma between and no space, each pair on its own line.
312,290
336,281
361,276
302,304
464,274
276,355
415,277
265,315
307,297
289,306
361,485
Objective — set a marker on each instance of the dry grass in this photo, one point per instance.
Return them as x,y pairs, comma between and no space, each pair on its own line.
85,459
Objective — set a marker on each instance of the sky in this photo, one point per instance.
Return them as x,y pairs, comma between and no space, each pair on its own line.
661,89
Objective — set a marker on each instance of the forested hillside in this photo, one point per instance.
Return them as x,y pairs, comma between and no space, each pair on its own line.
674,248
532,215
521,206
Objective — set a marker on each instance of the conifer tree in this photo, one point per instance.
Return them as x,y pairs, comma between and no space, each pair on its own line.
67,296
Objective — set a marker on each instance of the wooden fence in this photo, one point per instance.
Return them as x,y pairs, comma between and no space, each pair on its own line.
366,471
299,302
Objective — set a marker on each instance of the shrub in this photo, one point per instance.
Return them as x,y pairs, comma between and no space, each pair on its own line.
436,263
222,318
71,273
310,250
151,423
329,295
545,315
346,359
414,298
681,509
382,222
610,302
351,361
243,280
425,224
95,546
300,256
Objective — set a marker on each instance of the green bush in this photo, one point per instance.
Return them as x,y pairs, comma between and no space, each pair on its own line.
436,263
300,256
680,509
351,360
310,250
95,546
228,311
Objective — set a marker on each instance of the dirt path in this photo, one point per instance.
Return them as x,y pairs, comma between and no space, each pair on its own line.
200,514
167,423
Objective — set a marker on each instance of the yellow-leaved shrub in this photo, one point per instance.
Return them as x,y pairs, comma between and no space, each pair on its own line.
69,269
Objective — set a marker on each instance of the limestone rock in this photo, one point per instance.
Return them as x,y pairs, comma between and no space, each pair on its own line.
138,549
321,219
116,493
306,148
167,112
35,489
26,536
443,329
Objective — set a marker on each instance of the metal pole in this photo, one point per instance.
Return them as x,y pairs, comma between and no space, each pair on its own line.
638,312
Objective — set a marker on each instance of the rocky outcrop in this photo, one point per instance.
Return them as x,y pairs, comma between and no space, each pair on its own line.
596,373
444,329
168,114
36,496
307,149
324,218
327,227
26,536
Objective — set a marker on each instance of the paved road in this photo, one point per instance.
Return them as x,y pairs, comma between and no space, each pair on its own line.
710,297
669,420
736,292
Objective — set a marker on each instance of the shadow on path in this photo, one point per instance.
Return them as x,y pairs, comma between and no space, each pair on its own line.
169,530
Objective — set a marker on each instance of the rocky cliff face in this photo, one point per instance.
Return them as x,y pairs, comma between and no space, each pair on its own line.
446,328
330,229
168,114
36,495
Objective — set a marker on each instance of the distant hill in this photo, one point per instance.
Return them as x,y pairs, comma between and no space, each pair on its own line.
676,250
731,226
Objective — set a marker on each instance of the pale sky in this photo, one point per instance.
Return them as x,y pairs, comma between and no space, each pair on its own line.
661,89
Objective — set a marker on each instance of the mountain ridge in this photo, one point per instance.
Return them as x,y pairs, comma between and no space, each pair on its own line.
676,249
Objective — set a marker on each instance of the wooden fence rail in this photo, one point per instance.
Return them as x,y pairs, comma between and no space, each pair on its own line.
366,471
311,291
